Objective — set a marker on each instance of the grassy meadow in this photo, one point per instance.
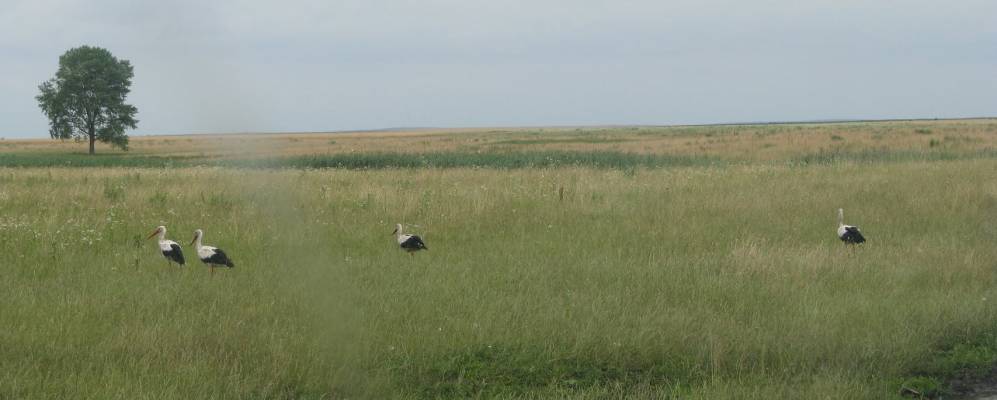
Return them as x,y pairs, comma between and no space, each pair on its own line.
735,143
640,267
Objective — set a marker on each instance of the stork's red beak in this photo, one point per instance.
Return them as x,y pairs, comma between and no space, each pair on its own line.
394,231
192,240
152,234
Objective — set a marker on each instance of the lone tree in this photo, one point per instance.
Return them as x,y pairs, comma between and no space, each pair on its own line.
86,98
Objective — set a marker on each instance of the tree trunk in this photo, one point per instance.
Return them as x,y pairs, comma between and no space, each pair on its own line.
92,136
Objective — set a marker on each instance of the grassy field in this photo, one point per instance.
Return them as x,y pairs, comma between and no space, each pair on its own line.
737,143
716,276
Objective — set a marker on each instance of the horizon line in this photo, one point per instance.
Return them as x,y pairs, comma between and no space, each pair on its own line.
827,121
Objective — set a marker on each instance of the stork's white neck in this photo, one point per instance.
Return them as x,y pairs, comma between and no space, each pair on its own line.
162,235
841,217
197,240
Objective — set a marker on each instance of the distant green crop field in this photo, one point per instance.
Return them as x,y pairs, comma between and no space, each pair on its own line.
695,282
495,159
35,160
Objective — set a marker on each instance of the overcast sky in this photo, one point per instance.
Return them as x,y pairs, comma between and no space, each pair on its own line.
318,65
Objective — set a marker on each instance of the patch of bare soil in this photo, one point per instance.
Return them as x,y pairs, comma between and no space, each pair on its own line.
975,388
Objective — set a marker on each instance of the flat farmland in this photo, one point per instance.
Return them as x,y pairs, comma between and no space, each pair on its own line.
729,142
649,262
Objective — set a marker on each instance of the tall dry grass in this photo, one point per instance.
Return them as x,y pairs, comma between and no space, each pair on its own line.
693,282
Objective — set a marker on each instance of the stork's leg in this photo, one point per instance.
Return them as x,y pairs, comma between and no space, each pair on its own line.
212,268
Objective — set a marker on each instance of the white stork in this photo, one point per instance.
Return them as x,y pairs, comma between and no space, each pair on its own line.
847,233
409,243
212,256
171,250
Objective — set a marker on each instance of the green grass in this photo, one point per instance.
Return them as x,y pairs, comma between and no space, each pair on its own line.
501,160
494,160
956,364
693,281
83,160
564,140
891,156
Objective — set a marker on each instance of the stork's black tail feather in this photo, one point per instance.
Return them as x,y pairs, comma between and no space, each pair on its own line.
175,254
852,236
414,243
219,258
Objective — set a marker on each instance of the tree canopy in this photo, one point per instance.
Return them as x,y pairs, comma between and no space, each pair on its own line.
86,98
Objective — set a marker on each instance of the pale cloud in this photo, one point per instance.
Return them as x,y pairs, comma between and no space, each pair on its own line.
331,65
